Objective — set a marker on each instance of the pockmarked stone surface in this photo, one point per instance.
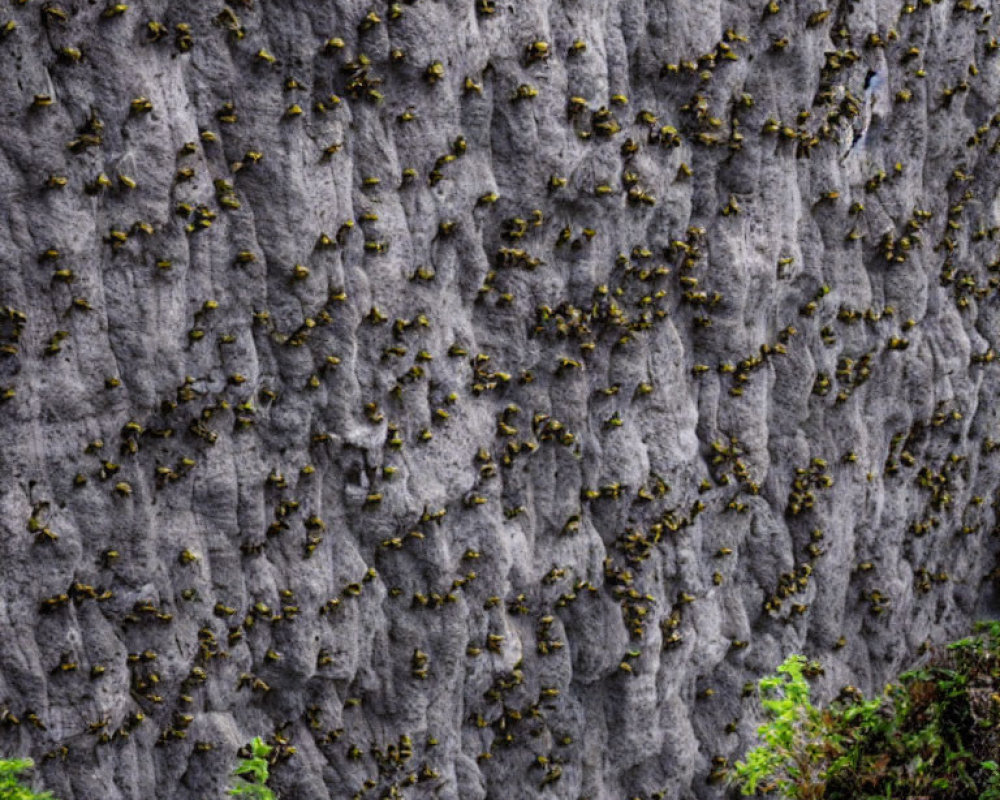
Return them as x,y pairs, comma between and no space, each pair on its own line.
470,398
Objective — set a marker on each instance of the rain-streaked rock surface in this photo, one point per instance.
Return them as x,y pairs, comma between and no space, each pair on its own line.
471,397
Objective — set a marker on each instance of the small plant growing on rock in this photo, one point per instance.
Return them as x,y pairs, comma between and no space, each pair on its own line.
11,787
254,786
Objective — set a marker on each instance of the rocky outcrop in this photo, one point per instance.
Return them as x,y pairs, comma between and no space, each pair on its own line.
471,398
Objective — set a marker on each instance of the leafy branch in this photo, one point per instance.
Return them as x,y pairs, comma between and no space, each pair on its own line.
251,774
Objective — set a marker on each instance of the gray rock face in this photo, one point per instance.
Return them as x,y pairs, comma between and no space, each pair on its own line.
472,397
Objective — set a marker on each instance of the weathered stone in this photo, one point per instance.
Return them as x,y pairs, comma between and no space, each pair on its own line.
474,397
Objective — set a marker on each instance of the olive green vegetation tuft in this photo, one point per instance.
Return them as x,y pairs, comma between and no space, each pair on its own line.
934,734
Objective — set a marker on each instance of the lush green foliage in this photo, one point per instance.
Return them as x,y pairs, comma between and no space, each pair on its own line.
933,735
254,786
11,787
791,760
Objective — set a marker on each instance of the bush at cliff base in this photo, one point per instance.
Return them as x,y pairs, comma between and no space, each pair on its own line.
933,735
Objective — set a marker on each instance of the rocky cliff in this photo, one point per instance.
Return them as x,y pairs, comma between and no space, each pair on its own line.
471,397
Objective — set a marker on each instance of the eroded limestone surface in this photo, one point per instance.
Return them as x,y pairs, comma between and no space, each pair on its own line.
471,397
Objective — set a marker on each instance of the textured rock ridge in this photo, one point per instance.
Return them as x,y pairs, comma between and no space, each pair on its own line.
471,397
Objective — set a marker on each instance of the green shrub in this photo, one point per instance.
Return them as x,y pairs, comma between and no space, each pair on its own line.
935,734
796,736
11,788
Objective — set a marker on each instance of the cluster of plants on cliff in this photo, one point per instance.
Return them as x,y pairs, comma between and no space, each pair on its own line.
933,735
249,777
